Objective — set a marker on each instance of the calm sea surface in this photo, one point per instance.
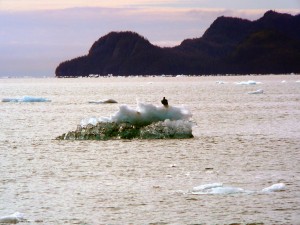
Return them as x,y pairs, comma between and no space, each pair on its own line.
242,140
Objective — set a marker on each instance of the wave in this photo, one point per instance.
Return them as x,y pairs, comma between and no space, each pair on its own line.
147,121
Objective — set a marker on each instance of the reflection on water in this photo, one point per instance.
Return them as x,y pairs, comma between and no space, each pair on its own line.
241,140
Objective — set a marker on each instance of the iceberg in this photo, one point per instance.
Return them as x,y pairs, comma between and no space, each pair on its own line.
26,99
147,121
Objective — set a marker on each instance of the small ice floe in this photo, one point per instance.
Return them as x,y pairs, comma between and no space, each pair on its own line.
13,218
274,187
218,188
220,82
104,101
259,91
284,81
206,187
297,81
249,82
26,99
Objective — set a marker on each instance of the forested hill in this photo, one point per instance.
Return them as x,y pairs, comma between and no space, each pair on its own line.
269,45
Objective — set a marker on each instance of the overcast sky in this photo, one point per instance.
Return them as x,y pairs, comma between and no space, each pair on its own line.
36,35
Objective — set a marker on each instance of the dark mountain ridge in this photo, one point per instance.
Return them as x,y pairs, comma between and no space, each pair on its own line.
270,44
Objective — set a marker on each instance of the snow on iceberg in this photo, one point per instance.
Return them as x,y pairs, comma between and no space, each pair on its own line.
144,114
218,188
26,99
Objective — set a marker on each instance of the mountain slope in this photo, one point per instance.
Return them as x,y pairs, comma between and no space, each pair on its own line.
270,44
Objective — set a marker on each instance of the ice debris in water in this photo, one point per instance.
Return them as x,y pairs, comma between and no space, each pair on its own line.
220,82
259,91
13,218
147,121
26,99
218,188
104,101
249,82
274,187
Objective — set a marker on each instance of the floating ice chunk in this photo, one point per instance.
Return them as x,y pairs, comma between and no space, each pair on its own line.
220,82
104,101
274,187
297,81
13,218
226,190
259,91
249,82
26,99
284,81
218,188
207,186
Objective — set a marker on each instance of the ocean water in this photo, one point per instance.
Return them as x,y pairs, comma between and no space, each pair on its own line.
243,144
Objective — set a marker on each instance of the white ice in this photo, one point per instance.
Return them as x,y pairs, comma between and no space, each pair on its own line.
218,188
274,187
13,218
26,99
259,91
144,114
207,186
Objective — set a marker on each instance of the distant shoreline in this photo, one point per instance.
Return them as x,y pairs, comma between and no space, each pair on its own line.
145,76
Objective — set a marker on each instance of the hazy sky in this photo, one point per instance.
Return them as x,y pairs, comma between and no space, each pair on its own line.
36,35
